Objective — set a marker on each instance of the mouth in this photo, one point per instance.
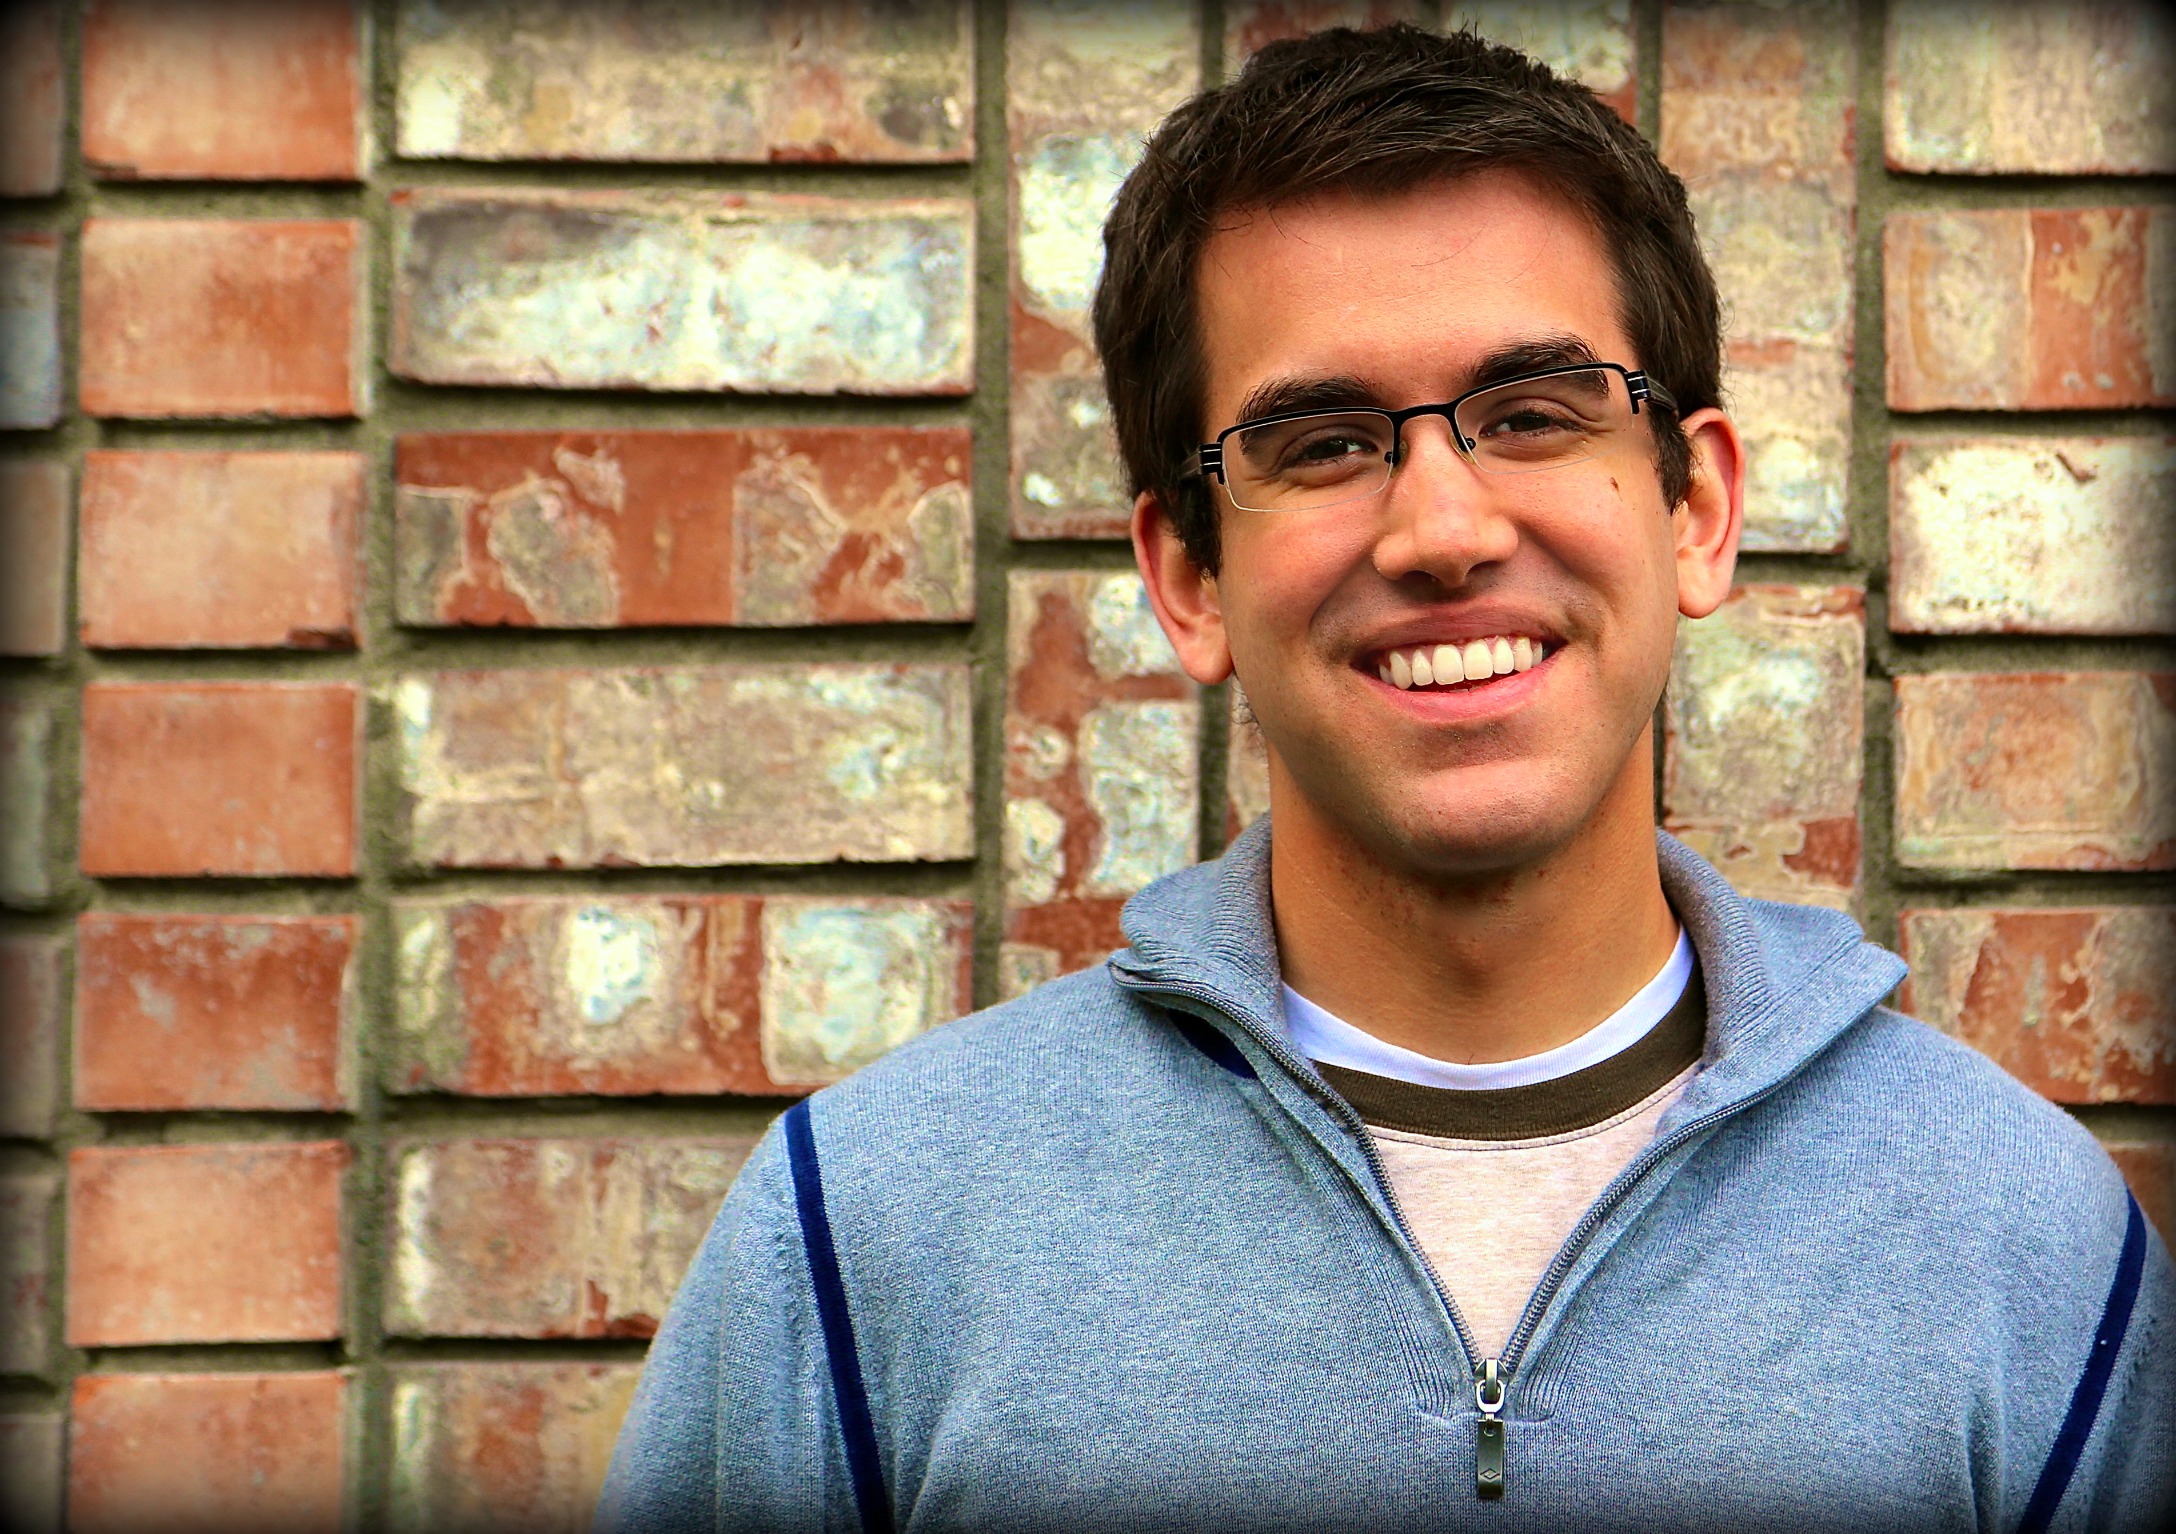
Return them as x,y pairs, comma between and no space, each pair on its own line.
1462,666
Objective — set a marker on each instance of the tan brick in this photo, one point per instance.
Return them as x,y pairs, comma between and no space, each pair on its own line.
220,550
2030,309
30,1001
26,795
33,98
2036,770
204,1243
512,1447
686,766
1589,41
230,90
29,329
176,1012
222,317
26,1274
2080,1005
686,81
1086,85
1250,25
1763,739
250,1453
245,779
716,291
2034,535
1102,751
1246,769
2149,1166
32,1451
548,1238
33,557
2046,87
619,529
630,995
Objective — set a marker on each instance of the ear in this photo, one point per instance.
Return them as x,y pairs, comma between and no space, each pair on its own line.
1186,600
1711,518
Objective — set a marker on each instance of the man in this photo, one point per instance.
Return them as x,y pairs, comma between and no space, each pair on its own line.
1455,1151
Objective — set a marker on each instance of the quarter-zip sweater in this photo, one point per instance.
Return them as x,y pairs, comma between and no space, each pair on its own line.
1113,1256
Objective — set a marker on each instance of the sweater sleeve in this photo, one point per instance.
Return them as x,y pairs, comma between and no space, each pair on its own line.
2126,1476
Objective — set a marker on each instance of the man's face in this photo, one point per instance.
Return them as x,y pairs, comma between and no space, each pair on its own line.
1409,300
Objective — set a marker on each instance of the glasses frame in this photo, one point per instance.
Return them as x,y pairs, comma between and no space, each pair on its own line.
1637,384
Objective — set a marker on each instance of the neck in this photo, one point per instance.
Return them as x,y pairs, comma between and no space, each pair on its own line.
1478,968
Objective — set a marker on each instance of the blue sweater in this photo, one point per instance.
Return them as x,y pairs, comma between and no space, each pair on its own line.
1113,1257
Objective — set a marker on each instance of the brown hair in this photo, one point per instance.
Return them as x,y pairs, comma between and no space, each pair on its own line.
1377,112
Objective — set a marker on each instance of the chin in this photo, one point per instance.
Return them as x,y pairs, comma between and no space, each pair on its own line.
1457,830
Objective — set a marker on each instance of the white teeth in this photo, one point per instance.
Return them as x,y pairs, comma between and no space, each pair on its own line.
1401,671
1479,662
1383,671
1424,670
1522,653
1446,665
1499,654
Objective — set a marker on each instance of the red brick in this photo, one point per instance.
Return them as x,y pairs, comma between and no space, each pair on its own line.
222,317
178,1012
26,1276
2080,1005
2036,770
673,994
30,987
2149,1166
32,1448
621,529
220,550
1102,748
204,1243
33,557
234,778
548,1238
511,1447
29,329
33,99
2030,309
233,1453
26,795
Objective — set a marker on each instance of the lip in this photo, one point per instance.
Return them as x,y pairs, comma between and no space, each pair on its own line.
1498,695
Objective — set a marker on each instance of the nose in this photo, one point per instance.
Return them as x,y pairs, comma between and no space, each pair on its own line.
1438,517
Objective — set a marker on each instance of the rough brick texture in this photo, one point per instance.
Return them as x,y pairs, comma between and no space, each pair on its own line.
26,1278
32,98
548,1238
30,1033
222,317
2039,770
29,329
33,557
237,90
178,1012
748,292
32,1447
2030,309
2049,87
26,796
621,529
503,1448
247,1453
2033,535
2149,1166
192,550
204,1243
686,81
1102,792
235,778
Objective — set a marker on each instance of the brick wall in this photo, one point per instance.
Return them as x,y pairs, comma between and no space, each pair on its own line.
558,588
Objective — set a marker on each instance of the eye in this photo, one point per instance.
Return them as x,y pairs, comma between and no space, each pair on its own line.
1330,446
1526,418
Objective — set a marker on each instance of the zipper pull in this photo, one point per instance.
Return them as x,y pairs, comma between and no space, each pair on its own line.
1488,1451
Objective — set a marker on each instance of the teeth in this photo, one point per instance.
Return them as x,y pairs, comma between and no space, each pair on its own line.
1446,665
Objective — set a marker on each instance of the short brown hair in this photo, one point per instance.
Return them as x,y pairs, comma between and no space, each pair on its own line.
1377,112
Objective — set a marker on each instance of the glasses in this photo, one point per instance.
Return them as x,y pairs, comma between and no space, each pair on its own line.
1545,420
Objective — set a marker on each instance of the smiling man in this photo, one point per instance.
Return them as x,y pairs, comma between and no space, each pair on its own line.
1456,1151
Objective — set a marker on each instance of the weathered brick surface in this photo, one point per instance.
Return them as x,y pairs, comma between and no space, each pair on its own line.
2149,1166
26,794
180,1012
748,292
2036,770
205,1243
685,766
1085,85
631,995
504,1448
1763,725
618,529
29,329
1102,787
2050,87
186,317
1246,769
32,98
196,550
1757,117
234,778
251,90
2037,535
30,1002
33,556
26,1279
32,1450
548,1238
250,1453
2080,1005
686,81
2030,309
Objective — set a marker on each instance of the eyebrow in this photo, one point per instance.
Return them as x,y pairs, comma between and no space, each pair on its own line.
1343,391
